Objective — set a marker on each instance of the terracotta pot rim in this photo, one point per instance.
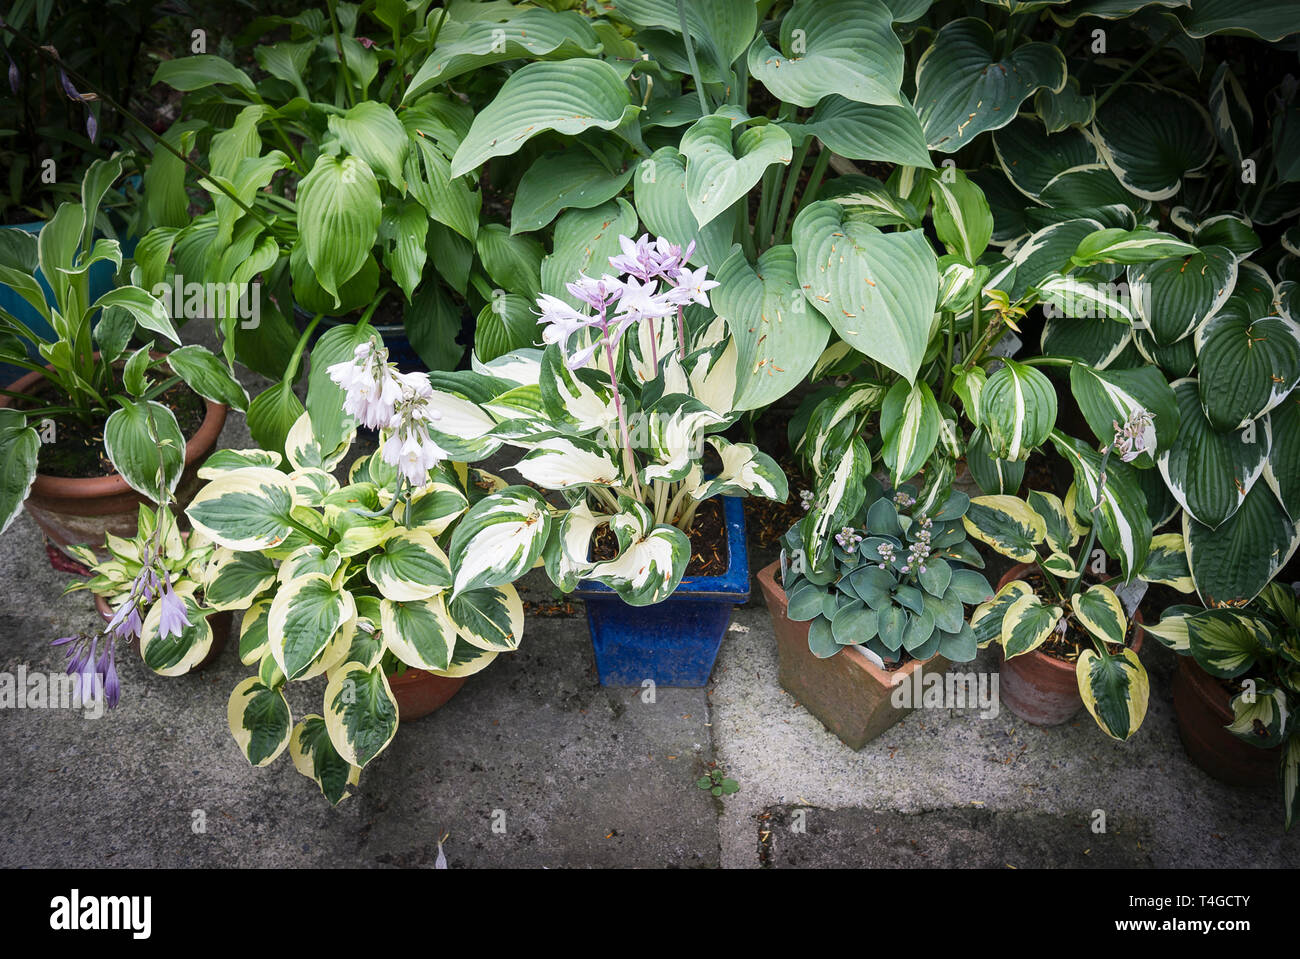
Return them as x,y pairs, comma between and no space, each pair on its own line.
767,575
415,675
72,487
1018,572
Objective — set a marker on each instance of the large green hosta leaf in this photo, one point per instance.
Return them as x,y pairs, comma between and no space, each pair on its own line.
661,199
338,216
720,32
1124,527
1210,471
1233,562
372,131
584,242
1267,19
847,47
528,34
1152,138
1031,158
878,290
865,131
568,97
963,89
778,335
718,174
1282,470
19,448
1174,296
1247,366
556,181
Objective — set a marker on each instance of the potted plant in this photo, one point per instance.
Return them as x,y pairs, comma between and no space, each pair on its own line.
95,383
615,415
366,584
892,602
1237,688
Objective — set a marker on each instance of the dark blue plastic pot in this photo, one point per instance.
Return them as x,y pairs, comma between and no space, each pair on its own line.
674,642
400,350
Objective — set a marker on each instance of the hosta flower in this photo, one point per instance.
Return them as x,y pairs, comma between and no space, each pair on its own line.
172,618
370,385
408,446
1136,436
561,322
638,302
672,258
639,258
692,287
597,294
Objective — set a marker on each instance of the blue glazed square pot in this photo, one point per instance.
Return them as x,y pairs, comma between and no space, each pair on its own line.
673,643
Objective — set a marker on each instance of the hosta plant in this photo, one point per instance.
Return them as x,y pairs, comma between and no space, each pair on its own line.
358,581
1058,538
615,415
900,584
1258,645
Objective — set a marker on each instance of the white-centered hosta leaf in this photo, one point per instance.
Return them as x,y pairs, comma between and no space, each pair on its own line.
499,539
245,509
746,472
564,462
651,560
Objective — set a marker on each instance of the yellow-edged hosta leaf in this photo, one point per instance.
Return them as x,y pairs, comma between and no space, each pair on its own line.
1100,613
1027,624
1115,690
259,720
1006,523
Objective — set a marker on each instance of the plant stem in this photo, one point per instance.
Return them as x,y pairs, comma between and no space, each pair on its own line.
1092,529
705,109
629,461
791,184
815,178
343,61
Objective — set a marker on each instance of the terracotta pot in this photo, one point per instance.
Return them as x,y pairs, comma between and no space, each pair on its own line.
1203,708
419,693
1039,688
74,511
219,622
849,693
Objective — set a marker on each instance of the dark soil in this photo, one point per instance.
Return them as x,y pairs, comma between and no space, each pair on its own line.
1067,648
77,450
708,536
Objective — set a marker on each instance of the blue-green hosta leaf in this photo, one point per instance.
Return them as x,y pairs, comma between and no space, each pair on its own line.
663,203
844,47
867,131
175,655
1107,397
1124,526
778,335
491,618
651,560
720,32
19,447
145,444
1006,523
499,538
526,35
316,758
1246,366
584,242
718,174
245,508
304,616
885,207
558,181
1099,611
877,290
986,619
1210,472
963,89
909,427
1062,109
1026,624
1267,19
1232,562
259,720
1018,409
419,632
1115,690
746,471
233,580
1174,297
1282,469
338,219
568,97
410,566
1152,137
360,712
991,474
1228,230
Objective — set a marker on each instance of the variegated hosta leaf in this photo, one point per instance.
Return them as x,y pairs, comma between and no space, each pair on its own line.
839,495
674,436
1060,532
358,533
1167,563
1061,565
499,538
314,756
1006,523
259,720
563,462
1124,526
303,450
1099,612
833,423
651,559
233,580
1114,245
1018,409
312,484
420,633
1247,366
491,618
433,508
311,558
1076,298
581,397
1226,642
223,461
368,645
253,636
1264,717
909,426
245,509
1110,397
1115,689
712,371
986,619
746,471
1173,629
1027,624
1290,779
360,713
569,546
176,655
961,216
410,566
466,661
1152,137
304,616
463,429
1173,297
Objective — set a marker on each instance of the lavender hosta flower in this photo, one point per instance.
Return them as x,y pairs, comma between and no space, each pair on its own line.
172,617
15,78
672,258
639,257
370,384
692,287
107,668
92,127
561,322
639,301
600,294
1136,436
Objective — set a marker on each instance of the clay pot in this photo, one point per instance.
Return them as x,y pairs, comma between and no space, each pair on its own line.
1039,688
1203,708
76,511
219,622
849,693
419,692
